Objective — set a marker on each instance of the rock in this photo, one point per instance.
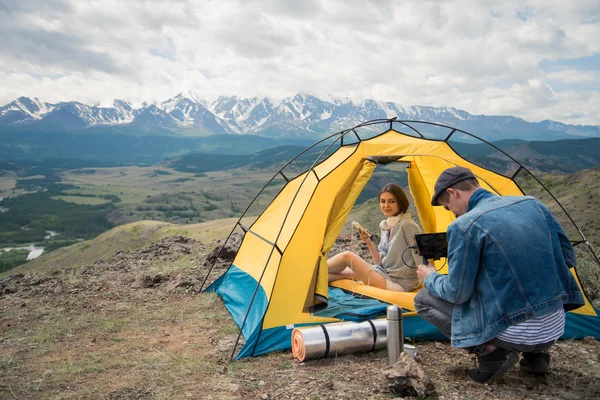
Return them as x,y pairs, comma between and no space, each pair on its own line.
35,279
353,244
592,391
406,378
9,290
159,278
233,387
143,281
179,282
589,339
227,254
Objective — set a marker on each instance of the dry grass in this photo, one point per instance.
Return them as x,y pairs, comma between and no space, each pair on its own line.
149,344
7,184
88,334
81,200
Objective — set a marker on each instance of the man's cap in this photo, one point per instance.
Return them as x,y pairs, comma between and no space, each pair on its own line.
449,178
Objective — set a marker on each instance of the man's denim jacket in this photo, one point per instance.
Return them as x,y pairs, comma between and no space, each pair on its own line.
508,261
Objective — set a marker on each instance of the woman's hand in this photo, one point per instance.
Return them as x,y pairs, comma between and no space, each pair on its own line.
364,235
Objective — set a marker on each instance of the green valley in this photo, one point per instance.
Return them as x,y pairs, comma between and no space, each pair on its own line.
78,200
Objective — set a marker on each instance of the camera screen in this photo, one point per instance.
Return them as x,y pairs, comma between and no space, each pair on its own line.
432,245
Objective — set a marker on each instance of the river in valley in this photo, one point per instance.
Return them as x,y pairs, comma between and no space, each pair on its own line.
34,251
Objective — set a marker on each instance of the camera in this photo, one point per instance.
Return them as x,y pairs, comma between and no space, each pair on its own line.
432,246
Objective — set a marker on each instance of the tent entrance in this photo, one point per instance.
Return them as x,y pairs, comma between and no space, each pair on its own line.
347,306
342,206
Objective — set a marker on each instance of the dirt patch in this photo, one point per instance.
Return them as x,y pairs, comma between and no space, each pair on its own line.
136,326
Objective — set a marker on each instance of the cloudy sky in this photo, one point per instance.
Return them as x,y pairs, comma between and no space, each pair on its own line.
534,59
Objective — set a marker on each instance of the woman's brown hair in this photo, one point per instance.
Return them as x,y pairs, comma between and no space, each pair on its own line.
398,194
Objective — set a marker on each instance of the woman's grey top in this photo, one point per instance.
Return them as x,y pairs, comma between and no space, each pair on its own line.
396,257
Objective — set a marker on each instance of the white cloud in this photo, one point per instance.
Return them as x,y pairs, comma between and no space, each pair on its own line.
572,76
484,57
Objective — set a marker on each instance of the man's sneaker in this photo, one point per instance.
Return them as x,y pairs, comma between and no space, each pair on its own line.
493,366
535,363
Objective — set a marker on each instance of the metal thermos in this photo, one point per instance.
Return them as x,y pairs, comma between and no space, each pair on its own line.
395,335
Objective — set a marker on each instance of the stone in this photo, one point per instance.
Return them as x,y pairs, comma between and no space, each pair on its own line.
407,378
142,282
225,251
179,282
233,387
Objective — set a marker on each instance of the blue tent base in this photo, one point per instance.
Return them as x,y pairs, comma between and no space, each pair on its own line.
579,326
280,338
236,288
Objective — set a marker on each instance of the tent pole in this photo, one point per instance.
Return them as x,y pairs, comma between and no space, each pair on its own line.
254,199
411,127
341,135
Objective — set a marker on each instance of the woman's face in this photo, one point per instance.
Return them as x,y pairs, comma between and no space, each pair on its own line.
389,205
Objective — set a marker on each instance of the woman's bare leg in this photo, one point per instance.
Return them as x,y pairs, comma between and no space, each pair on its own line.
347,265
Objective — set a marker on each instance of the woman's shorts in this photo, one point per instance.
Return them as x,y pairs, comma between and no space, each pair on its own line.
390,284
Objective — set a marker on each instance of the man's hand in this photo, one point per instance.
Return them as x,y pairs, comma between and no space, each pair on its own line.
424,270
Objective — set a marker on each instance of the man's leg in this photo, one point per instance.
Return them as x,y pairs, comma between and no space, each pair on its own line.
436,311
493,365
536,358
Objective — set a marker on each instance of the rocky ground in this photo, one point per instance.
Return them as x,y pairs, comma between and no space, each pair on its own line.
137,326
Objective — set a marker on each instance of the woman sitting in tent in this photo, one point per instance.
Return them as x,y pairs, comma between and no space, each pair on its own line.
395,262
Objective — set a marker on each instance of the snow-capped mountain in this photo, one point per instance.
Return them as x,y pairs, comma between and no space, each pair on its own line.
302,115
23,110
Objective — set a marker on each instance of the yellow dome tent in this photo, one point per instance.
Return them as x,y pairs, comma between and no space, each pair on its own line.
278,279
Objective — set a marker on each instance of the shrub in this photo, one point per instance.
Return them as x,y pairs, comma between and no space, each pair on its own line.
589,274
211,207
11,259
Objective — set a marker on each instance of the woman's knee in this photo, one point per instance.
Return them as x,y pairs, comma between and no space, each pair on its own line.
347,255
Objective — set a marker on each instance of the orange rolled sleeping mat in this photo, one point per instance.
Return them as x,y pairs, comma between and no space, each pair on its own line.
327,340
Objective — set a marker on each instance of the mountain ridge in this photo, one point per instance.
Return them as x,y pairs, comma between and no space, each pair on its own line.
302,115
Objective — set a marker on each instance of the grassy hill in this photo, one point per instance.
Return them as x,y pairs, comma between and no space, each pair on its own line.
578,193
127,237
134,325
121,316
137,327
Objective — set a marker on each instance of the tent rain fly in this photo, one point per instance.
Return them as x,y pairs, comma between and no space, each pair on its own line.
278,279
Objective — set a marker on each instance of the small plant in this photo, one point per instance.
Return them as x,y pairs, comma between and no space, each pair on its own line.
54,269
589,274
253,385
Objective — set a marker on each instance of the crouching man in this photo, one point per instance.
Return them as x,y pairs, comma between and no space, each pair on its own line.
508,282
